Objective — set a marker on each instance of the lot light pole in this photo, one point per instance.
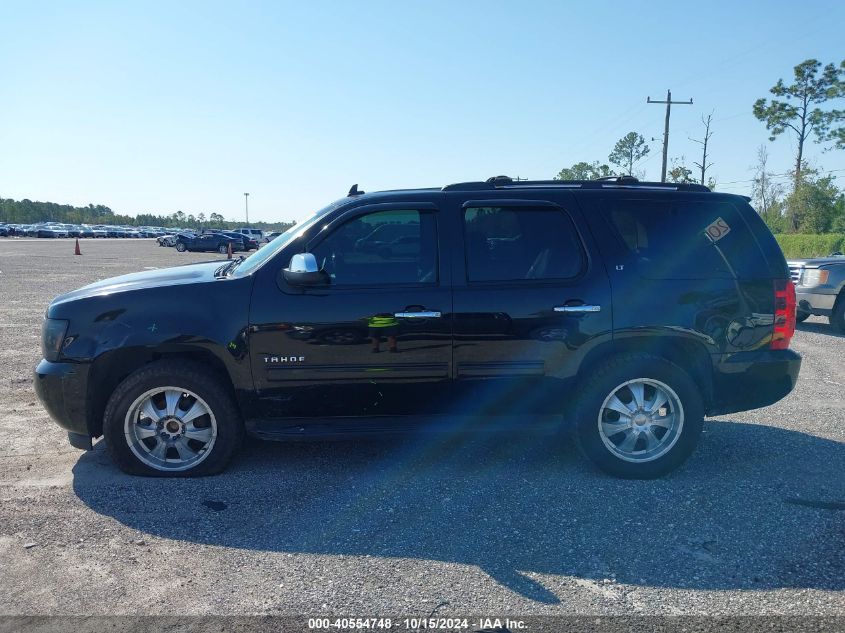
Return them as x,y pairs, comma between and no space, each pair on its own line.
246,205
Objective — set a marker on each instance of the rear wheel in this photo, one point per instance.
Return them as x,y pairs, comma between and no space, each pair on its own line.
223,249
638,416
171,418
180,246
801,316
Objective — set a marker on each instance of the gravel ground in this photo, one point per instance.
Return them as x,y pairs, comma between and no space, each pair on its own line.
752,524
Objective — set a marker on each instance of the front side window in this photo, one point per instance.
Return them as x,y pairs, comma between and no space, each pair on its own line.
510,244
384,247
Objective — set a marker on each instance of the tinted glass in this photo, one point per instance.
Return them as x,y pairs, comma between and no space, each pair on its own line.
670,239
509,244
387,247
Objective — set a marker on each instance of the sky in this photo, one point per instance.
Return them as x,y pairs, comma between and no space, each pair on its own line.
164,106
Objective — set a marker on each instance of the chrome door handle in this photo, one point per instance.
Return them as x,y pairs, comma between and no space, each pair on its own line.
577,309
425,314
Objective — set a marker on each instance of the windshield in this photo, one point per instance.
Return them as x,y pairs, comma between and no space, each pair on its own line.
266,253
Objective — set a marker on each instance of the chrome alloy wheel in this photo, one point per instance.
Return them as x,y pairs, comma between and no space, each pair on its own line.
641,420
170,429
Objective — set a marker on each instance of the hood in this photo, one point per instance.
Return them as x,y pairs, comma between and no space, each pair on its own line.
188,274
815,262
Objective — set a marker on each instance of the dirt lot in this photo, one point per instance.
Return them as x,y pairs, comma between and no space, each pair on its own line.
753,523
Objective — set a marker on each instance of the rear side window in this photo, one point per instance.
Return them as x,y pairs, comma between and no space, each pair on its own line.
524,243
686,239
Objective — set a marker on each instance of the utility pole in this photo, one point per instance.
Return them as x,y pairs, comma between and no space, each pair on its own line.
246,205
668,103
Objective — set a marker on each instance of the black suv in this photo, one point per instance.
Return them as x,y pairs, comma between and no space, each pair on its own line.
625,310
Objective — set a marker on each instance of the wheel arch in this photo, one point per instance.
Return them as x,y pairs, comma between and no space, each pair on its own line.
111,368
688,354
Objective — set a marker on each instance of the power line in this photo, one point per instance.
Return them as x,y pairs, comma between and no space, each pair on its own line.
786,173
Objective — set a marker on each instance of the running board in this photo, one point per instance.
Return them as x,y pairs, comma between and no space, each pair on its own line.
285,429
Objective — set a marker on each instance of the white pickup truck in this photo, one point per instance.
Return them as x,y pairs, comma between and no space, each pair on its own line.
820,288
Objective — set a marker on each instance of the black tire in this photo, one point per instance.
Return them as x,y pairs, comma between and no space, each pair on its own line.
180,246
186,375
837,317
801,316
223,249
604,380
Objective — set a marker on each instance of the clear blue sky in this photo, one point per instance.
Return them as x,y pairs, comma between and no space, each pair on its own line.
159,106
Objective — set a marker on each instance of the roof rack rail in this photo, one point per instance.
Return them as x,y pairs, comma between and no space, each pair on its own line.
608,182
623,179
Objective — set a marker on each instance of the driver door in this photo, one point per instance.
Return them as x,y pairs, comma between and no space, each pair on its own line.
375,341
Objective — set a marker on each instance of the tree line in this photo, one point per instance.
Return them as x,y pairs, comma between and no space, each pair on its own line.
31,212
799,199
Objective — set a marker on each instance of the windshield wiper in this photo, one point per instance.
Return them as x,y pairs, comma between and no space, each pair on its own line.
228,267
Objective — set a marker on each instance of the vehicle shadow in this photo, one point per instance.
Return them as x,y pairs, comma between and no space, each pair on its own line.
818,327
756,507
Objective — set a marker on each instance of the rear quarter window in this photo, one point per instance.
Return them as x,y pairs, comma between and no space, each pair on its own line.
669,239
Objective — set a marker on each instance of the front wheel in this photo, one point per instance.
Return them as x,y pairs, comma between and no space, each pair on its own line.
801,316
171,418
222,249
837,317
638,416
180,246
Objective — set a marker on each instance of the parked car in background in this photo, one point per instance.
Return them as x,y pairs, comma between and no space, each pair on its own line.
820,288
49,231
255,234
208,242
4,230
272,236
169,239
250,243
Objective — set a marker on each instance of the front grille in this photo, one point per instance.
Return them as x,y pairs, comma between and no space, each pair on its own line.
795,274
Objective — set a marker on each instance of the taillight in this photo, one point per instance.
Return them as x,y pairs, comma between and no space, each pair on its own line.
784,328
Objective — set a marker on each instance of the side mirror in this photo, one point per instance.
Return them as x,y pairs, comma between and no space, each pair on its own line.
303,271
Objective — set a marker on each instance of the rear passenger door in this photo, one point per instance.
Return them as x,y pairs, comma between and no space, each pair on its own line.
529,301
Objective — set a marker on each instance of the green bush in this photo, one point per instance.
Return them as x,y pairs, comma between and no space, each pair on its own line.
810,245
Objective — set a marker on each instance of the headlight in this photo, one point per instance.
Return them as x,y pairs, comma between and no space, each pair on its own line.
814,277
52,335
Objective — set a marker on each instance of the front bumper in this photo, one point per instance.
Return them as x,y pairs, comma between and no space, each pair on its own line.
62,389
818,303
750,380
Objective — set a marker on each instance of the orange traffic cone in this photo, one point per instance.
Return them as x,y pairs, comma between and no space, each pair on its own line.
229,251
76,250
